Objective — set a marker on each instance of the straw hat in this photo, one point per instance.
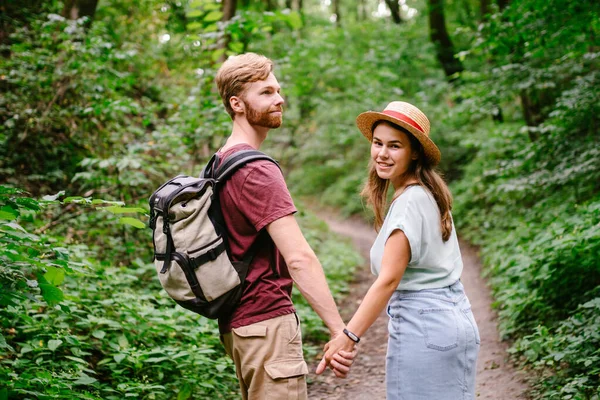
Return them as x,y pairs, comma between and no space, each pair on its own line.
406,116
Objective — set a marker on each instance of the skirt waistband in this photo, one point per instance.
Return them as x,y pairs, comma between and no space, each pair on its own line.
452,294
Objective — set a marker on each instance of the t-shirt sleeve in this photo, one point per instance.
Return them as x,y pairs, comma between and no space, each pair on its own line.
405,216
265,196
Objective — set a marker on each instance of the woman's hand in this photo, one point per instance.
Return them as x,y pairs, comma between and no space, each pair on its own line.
339,356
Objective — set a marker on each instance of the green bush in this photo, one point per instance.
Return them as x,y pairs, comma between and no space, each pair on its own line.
84,322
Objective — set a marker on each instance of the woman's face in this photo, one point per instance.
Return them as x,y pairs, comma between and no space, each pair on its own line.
392,153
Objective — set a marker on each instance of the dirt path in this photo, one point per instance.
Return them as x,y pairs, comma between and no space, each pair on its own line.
496,378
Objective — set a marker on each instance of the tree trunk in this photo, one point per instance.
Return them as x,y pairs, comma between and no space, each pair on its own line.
16,14
336,11
75,9
361,11
442,42
394,7
228,8
502,4
535,104
484,8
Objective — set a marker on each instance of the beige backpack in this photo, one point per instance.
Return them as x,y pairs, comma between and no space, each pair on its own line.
191,251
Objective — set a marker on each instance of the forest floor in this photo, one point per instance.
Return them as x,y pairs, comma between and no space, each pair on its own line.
496,377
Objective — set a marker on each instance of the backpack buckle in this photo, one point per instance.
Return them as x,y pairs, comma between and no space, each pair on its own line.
212,254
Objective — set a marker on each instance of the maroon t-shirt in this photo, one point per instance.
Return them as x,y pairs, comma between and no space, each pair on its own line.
252,198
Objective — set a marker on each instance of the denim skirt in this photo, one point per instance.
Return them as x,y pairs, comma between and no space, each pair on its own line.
433,345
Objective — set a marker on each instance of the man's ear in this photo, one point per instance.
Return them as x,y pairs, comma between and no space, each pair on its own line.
237,105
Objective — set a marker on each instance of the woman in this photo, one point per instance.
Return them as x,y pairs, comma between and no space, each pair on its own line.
433,338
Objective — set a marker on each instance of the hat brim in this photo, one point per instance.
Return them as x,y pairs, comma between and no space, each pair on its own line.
366,120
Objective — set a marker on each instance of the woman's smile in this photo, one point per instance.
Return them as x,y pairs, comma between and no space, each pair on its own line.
392,153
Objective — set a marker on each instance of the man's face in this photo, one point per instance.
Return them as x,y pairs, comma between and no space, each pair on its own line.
263,103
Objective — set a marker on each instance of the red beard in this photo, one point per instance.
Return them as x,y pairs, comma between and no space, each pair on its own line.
265,118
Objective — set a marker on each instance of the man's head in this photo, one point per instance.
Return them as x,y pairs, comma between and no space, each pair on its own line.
237,73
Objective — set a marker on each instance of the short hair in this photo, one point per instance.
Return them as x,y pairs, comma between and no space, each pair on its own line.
237,71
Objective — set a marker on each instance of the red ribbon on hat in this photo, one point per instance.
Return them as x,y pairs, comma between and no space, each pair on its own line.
404,118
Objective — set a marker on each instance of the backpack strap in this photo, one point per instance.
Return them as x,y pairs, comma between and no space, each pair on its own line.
236,161
209,169
224,171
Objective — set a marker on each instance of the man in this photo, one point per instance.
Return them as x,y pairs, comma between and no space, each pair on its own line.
263,334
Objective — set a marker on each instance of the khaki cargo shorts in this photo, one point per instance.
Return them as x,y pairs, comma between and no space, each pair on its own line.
268,359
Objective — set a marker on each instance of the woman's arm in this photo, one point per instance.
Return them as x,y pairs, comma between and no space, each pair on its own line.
396,255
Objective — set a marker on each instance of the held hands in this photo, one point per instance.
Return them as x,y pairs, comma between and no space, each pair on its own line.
339,356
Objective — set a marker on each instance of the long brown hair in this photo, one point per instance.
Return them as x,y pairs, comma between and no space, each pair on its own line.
375,189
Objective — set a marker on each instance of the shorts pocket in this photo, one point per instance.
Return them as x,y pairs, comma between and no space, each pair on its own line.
469,314
288,379
283,369
251,331
395,321
296,330
440,328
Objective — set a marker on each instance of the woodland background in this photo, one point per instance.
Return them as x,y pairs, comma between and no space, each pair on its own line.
102,100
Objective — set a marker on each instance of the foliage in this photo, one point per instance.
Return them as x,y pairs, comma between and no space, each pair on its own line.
103,328
530,195
30,263
59,80
82,315
567,357
110,109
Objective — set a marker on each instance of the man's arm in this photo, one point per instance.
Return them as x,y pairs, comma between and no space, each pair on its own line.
306,271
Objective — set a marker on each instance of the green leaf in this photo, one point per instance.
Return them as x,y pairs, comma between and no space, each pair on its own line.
123,210
119,357
53,197
185,392
15,227
53,344
236,47
217,54
294,20
61,253
54,276
99,334
123,342
156,359
194,13
7,216
3,344
51,293
77,359
26,349
104,361
133,222
76,199
85,380
221,367
100,201
213,16
193,26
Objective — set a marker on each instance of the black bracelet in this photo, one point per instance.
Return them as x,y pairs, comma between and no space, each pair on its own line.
352,336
